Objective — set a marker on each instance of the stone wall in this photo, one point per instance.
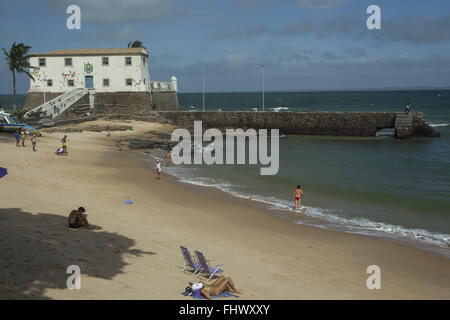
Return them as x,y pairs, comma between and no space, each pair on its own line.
128,102
164,101
360,124
363,124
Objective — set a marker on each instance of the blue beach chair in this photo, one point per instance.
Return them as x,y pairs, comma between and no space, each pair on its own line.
188,260
205,268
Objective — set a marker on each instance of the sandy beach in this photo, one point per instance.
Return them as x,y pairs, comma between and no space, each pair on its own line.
135,252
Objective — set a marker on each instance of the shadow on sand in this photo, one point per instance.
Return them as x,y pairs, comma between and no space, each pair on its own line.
36,249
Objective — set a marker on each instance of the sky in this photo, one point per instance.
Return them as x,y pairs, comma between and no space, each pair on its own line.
303,44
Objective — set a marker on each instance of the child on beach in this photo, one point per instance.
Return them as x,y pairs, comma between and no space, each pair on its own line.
17,135
158,169
33,142
298,195
22,138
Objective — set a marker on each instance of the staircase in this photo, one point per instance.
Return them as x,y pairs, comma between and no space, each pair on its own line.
56,106
404,125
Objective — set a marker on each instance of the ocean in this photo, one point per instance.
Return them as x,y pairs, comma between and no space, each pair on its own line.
385,187
396,189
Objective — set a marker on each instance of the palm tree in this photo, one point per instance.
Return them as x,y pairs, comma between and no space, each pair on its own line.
17,59
136,44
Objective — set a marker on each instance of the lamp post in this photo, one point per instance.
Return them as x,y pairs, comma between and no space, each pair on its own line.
262,66
203,86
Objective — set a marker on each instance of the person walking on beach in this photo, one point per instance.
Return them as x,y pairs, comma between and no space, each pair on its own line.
298,195
168,158
64,143
17,135
22,138
33,142
108,131
158,169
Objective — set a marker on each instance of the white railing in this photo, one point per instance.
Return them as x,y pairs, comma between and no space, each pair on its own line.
162,86
57,105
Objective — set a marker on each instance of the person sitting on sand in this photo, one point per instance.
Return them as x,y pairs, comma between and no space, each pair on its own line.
61,151
214,289
77,218
298,195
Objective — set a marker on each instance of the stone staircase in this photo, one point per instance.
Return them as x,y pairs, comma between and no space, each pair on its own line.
48,111
404,125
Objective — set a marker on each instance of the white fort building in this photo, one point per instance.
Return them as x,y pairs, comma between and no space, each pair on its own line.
97,77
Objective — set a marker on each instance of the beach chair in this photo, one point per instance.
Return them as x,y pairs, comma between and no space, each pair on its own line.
188,260
205,268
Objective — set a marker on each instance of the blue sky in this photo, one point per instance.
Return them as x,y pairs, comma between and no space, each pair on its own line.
304,44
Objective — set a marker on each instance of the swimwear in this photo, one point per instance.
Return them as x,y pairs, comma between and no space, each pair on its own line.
298,198
74,225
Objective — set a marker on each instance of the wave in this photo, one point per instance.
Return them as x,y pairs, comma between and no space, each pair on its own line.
319,217
439,124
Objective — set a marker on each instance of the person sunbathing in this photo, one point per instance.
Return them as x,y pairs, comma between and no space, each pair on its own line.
214,289
61,151
77,219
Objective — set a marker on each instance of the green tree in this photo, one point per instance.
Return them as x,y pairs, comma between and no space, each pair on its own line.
17,60
136,44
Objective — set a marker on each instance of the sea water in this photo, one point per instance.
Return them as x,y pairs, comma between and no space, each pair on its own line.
397,189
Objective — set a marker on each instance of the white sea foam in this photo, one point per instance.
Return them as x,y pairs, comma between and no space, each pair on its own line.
439,124
278,109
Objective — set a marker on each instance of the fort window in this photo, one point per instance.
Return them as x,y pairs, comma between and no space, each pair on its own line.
70,83
128,61
106,82
49,82
41,62
68,62
128,82
105,61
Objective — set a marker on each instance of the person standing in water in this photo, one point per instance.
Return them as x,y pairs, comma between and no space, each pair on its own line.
298,195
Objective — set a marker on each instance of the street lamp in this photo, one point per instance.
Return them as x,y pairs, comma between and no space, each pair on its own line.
203,85
262,66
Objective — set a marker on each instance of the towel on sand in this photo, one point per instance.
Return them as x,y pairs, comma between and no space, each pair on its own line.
3,172
224,294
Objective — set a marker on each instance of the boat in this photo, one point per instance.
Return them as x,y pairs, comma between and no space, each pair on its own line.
8,123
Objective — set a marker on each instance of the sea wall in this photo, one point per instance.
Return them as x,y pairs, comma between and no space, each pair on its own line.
361,124
357,124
